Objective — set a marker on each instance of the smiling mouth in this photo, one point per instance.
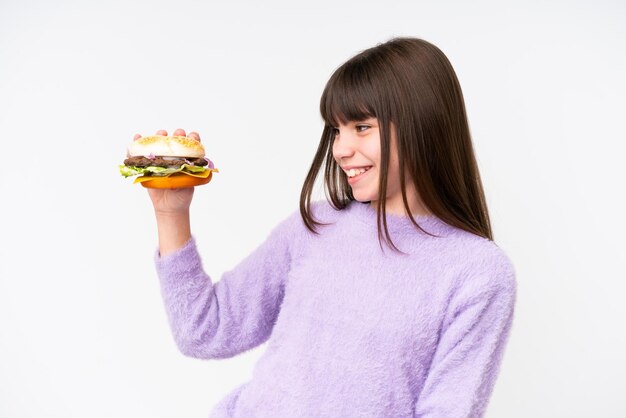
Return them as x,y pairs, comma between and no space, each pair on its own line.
353,172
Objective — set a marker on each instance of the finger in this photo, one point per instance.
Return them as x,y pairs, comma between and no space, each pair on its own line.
136,137
194,135
179,132
162,132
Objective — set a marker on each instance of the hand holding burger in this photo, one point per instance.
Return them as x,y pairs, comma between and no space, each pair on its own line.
168,162
171,203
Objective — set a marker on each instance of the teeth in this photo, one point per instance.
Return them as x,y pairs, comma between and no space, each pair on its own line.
355,171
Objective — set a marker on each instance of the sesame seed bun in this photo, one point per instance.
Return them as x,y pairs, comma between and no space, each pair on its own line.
167,146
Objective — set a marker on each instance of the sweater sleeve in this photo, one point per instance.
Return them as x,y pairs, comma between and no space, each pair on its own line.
237,313
471,345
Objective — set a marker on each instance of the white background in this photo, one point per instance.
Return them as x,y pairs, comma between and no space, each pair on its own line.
82,329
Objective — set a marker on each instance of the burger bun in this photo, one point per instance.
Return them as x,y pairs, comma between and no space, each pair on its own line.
166,146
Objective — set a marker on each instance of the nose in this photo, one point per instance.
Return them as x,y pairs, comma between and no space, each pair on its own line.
343,145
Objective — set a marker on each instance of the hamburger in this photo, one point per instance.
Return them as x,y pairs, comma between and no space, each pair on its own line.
167,162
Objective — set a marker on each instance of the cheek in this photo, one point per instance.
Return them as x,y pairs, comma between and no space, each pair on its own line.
373,153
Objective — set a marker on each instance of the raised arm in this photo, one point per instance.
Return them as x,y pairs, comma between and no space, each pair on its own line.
222,319
171,208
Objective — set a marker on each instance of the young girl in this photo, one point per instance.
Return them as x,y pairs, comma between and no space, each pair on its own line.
391,300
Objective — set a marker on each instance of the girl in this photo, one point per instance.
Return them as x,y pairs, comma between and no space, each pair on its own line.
391,299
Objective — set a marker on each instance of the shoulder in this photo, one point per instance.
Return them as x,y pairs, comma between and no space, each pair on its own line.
486,268
323,211
293,226
293,229
291,235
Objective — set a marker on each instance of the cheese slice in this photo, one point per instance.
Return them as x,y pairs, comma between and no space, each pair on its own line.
202,175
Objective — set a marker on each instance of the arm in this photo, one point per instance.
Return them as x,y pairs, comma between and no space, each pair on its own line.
171,208
472,341
217,320
214,320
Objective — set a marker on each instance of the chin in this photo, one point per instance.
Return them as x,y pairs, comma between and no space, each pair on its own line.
363,197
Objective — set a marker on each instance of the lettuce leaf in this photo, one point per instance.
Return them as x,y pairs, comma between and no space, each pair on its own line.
128,171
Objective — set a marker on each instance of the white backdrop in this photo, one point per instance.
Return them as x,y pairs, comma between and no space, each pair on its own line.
82,329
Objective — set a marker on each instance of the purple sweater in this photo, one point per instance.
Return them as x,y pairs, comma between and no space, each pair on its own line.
353,330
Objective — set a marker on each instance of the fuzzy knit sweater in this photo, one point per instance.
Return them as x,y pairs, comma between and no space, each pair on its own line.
353,330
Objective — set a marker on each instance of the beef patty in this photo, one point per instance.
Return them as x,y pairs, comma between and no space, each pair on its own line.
141,161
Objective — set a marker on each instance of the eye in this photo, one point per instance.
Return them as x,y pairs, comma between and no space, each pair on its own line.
362,128
334,130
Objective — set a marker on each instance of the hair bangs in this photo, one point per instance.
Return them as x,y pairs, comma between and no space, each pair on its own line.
347,97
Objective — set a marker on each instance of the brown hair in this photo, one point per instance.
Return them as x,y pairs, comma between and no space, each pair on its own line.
408,82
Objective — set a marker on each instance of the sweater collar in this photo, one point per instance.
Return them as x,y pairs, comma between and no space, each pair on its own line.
399,226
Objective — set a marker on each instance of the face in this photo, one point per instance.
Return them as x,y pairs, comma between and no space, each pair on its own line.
356,149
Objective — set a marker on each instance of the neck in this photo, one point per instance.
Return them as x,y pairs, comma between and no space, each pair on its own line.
395,205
